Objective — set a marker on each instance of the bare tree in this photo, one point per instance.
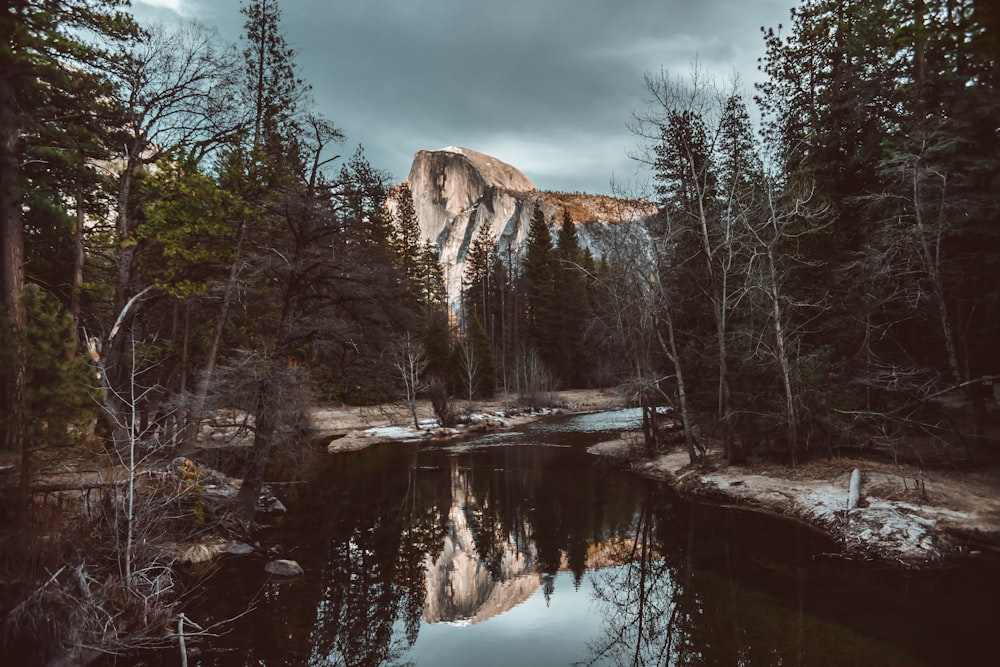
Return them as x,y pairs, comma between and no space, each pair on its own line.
641,252
470,365
132,458
787,218
681,137
644,604
176,93
410,360
911,279
116,589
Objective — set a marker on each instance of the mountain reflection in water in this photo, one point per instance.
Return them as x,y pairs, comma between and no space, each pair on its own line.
466,585
517,549
462,585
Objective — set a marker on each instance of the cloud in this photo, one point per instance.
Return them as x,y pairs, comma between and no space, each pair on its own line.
179,7
547,86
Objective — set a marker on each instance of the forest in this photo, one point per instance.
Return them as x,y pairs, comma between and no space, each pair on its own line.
182,240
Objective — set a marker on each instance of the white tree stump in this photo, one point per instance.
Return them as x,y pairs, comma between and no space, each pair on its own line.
855,492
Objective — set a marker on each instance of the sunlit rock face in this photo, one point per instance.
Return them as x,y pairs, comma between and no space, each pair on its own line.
457,191
460,584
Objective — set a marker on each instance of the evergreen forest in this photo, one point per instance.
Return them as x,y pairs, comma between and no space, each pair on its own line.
186,240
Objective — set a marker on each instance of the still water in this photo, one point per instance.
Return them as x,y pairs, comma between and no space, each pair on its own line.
517,549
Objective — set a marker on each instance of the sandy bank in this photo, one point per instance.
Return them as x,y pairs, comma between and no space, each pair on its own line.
350,428
911,516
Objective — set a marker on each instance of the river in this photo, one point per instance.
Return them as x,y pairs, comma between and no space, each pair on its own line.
519,549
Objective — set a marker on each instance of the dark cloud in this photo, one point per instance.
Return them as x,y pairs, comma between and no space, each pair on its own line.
547,85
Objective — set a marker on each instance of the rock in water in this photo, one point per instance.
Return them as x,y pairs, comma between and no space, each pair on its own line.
284,568
241,549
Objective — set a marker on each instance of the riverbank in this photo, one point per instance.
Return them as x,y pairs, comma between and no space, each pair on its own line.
350,428
906,515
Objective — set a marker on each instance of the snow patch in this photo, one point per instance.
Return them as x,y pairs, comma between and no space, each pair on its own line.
883,527
393,433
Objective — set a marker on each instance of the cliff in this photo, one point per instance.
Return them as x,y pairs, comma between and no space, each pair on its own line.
456,191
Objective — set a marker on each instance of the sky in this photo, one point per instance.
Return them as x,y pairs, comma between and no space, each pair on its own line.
548,86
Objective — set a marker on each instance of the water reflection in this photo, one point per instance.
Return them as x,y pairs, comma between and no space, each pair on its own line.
687,597
529,554
486,566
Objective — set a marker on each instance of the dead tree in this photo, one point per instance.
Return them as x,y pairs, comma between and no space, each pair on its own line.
410,361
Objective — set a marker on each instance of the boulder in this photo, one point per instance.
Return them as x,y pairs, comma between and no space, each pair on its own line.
275,507
284,568
240,549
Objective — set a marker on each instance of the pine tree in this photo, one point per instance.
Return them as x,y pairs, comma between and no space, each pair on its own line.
876,105
274,90
186,235
288,204
828,101
571,300
505,317
476,283
363,189
57,382
51,84
538,274
405,239
432,292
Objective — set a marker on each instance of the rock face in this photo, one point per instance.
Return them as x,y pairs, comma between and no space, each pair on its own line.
456,191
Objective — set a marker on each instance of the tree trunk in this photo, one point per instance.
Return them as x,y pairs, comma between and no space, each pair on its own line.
725,397
717,297
791,416
213,350
931,250
79,259
126,244
267,416
253,480
12,287
672,353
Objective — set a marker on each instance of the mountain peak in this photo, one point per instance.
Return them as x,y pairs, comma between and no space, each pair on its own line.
491,172
457,191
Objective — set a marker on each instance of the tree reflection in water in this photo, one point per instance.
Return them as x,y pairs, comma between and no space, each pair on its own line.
705,586
370,605
643,600
404,548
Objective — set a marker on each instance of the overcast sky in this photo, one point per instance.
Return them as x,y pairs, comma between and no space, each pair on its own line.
545,85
